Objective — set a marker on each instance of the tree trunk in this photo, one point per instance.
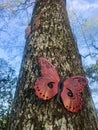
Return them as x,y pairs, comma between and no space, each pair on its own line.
50,37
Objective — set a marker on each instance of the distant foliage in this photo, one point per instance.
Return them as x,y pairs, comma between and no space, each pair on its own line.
92,72
7,88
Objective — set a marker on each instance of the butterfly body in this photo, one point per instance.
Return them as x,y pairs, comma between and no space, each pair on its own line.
49,84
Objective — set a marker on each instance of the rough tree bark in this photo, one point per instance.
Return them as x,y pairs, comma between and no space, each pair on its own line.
50,37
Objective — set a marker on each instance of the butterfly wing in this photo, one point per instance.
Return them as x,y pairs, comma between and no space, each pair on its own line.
47,68
46,85
71,94
81,82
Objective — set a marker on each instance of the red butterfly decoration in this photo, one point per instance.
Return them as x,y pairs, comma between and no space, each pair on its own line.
49,84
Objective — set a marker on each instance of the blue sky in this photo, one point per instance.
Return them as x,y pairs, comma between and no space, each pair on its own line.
12,39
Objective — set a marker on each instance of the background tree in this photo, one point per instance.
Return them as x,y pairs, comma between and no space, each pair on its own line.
50,37
7,87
